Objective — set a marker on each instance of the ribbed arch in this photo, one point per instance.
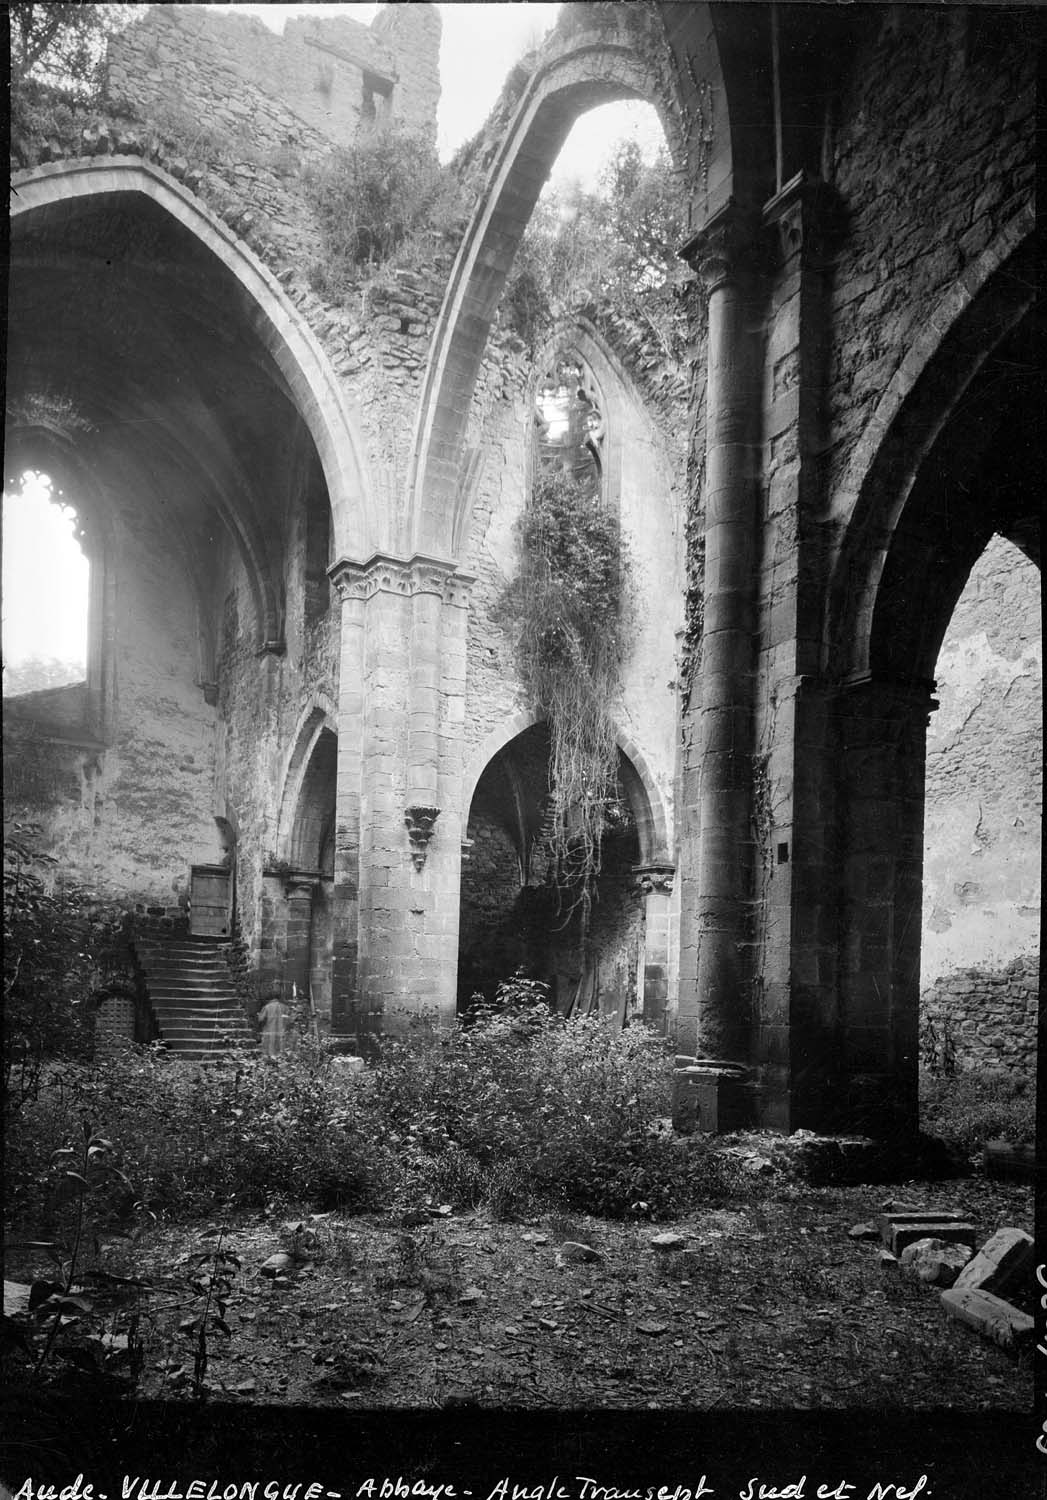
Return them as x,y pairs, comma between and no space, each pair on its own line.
972,320
310,382
566,83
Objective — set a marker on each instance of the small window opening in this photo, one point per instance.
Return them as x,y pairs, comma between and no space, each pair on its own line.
377,97
783,854
46,581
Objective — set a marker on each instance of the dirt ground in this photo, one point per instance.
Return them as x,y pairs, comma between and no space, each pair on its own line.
765,1305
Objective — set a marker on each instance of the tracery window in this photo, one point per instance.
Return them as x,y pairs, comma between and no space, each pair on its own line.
570,422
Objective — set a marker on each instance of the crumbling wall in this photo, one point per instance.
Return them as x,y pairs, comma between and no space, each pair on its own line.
308,86
984,1018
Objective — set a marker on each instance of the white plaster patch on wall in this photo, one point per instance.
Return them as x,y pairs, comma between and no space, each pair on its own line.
984,774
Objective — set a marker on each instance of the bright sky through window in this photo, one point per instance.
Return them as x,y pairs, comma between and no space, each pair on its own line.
45,579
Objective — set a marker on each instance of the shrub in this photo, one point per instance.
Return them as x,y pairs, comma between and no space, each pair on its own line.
523,1108
971,1108
60,946
371,200
236,1133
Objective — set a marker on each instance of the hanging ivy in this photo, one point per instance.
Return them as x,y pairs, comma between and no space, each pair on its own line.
567,611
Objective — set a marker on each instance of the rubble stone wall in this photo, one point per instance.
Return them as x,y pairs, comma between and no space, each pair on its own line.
296,90
988,1015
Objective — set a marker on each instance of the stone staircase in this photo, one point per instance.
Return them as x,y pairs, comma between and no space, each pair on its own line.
192,996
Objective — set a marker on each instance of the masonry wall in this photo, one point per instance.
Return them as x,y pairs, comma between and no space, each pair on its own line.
985,1018
280,92
932,158
130,818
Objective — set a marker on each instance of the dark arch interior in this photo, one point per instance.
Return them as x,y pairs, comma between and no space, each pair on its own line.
512,915
312,838
128,330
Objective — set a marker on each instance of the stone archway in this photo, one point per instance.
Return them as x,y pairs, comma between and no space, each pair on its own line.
572,77
514,914
48,192
974,429
301,901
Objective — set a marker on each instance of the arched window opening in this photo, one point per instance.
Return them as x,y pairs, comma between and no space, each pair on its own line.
981,898
570,423
46,588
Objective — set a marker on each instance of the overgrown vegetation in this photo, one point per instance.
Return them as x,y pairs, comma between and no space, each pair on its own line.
60,947
383,198
969,1108
616,245
516,1110
567,609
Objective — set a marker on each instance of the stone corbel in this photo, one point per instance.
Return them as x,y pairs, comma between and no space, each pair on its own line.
421,825
801,215
654,877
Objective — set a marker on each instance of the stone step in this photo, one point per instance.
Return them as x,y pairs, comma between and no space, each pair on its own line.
202,1013
219,988
215,1034
177,970
200,949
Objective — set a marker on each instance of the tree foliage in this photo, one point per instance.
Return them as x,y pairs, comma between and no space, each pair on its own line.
63,45
566,609
616,245
60,946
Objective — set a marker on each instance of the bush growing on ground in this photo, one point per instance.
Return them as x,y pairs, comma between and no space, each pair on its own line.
971,1108
237,1132
518,1110
523,1109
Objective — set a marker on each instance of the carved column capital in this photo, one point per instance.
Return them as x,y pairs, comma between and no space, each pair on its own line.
731,245
385,573
656,877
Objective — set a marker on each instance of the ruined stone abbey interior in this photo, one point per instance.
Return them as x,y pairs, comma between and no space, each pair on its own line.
301,733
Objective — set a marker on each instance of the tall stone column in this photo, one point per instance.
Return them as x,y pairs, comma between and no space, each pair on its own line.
724,257
655,883
299,893
882,751
427,584
403,681
350,582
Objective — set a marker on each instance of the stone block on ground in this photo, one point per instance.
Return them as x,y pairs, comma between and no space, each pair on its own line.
665,1243
575,1252
1003,1264
935,1261
900,1229
993,1318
